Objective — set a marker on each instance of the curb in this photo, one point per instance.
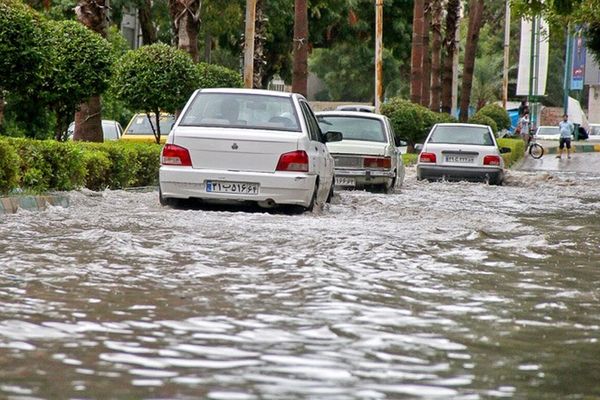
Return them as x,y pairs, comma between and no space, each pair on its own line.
578,148
10,205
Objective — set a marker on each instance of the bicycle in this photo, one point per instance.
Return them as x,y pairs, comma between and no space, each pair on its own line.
534,149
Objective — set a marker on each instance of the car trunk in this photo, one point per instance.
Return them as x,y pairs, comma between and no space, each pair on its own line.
459,156
235,149
350,153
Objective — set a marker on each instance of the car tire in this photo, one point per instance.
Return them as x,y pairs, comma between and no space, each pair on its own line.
331,193
166,201
390,189
313,200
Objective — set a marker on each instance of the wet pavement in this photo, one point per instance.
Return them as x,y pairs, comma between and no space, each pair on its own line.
440,291
581,163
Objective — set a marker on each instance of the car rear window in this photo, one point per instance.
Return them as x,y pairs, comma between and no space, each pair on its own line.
475,135
550,130
141,126
234,110
354,128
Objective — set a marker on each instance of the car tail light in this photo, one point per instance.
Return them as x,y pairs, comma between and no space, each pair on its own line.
427,158
377,162
175,155
293,161
491,160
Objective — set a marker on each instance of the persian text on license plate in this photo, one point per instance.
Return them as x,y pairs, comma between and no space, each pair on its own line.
343,181
460,159
231,187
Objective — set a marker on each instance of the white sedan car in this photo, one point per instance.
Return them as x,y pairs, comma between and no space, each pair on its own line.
245,145
461,152
367,157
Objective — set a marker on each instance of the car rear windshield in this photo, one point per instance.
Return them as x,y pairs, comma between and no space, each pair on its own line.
462,135
354,128
550,130
140,125
110,131
249,111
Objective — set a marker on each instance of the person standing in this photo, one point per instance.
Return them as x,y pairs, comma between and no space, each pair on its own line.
566,130
523,108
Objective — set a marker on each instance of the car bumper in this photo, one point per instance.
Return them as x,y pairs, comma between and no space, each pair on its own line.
277,187
459,173
363,177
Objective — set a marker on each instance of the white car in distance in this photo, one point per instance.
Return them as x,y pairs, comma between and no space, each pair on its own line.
367,156
245,145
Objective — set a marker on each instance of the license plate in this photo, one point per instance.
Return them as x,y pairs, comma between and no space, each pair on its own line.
231,187
343,181
460,159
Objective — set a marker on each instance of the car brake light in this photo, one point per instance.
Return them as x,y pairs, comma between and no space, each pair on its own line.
377,162
175,155
491,160
293,161
427,158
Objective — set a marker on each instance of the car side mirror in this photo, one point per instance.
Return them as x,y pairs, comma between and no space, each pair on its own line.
504,150
419,147
333,136
399,142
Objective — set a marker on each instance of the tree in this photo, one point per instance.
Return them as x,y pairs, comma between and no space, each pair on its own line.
475,23
436,47
450,49
300,43
185,17
155,78
416,68
426,64
260,40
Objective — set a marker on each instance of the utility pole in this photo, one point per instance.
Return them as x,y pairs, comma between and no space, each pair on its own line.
455,61
249,44
378,54
506,55
567,77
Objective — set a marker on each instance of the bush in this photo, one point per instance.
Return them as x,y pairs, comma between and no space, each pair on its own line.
412,122
9,167
97,165
498,114
484,120
216,76
148,159
517,150
124,165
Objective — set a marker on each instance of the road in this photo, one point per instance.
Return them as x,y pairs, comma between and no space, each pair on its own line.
583,163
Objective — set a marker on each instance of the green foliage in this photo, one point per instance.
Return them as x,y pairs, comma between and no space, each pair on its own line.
410,121
517,150
9,167
80,63
123,163
483,119
216,76
148,160
498,114
155,78
21,34
97,167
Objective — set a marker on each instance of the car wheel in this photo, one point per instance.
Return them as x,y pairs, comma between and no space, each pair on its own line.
389,189
166,201
331,193
313,200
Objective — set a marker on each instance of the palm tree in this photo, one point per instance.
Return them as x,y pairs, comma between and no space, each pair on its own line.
475,23
260,39
416,68
450,49
300,63
185,18
487,79
436,46
426,82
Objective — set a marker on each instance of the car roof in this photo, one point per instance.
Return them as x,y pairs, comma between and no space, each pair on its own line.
461,124
358,114
248,91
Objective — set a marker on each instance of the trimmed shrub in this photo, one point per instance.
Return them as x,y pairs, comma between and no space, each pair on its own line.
97,165
517,150
148,159
498,114
217,76
124,165
484,120
9,167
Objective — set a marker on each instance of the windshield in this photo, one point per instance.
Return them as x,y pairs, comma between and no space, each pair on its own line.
235,110
462,135
548,130
141,126
110,130
354,128
594,130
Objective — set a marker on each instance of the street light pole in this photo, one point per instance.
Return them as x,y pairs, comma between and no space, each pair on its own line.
506,55
378,54
249,44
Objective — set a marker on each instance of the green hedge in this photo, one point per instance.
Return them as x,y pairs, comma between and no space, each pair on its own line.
517,150
482,119
42,165
498,114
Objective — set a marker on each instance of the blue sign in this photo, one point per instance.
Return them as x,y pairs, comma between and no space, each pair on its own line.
578,57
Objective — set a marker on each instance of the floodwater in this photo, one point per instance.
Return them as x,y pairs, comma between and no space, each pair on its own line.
440,291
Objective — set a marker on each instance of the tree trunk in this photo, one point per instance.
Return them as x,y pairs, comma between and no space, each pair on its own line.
208,42
436,46
475,22
145,17
260,39
416,67
300,66
185,17
426,81
88,120
450,48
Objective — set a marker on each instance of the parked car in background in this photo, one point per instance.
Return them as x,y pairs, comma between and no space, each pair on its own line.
111,130
367,157
594,133
549,132
454,151
246,145
140,130
355,107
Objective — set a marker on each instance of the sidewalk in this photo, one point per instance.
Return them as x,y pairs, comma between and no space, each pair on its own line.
11,204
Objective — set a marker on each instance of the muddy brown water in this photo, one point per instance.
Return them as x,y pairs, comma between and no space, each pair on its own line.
440,291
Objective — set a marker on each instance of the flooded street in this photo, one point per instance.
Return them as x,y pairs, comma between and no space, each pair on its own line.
443,290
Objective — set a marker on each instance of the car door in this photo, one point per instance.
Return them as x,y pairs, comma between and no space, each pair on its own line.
397,154
323,160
